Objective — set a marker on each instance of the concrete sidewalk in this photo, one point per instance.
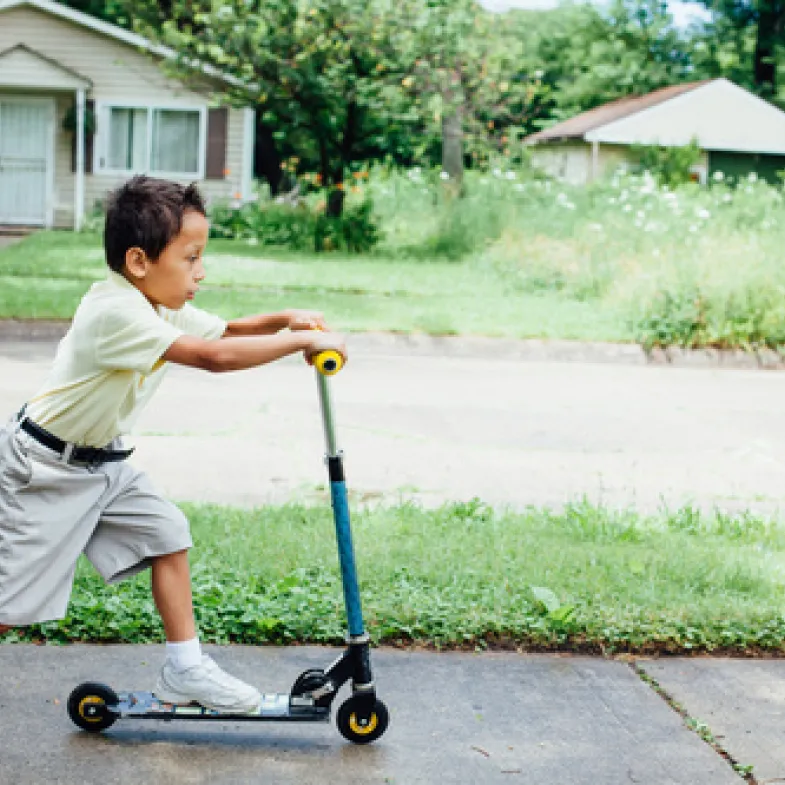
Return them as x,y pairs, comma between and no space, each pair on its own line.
455,718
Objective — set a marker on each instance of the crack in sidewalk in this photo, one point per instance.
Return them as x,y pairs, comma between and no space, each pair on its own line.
698,727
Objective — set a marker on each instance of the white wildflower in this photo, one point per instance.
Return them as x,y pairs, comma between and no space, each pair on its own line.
445,176
727,198
510,175
703,214
627,207
693,228
718,177
520,187
641,214
752,177
497,172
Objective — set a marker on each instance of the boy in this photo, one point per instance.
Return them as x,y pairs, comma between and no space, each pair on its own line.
65,484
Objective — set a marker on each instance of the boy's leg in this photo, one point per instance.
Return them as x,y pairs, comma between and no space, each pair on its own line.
171,582
139,529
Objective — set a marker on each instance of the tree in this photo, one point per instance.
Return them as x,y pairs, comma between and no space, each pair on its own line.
109,10
764,20
318,70
590,56
466,75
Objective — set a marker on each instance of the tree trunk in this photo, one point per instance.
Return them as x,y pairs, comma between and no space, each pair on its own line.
267,162
335,201
452,141
771,18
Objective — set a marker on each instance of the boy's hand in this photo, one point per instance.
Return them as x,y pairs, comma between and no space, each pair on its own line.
323,342
305,320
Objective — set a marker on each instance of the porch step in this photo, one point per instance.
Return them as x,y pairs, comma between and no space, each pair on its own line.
7,230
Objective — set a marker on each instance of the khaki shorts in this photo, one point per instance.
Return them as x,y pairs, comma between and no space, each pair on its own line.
51,511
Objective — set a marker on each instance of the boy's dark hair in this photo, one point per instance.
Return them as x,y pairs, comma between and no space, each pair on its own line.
146,213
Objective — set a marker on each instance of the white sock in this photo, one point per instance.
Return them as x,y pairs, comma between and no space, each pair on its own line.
184,654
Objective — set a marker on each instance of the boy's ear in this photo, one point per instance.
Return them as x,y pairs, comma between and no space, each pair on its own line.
136,262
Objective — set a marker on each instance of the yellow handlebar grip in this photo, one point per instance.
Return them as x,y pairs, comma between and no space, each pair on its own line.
329,362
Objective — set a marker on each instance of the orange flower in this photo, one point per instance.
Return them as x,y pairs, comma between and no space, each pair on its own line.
227,172
355,189
339,186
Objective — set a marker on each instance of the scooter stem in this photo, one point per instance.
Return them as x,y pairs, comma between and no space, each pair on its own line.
340,504
325,403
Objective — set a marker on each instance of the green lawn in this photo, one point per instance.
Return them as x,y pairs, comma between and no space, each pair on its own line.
587,579
45,276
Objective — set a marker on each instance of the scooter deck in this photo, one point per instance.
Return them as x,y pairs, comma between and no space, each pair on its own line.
275,706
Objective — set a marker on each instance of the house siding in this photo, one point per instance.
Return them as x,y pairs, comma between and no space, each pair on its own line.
571,162
567,161
20,68
735,166
119,73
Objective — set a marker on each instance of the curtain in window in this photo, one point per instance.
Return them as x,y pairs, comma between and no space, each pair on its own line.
127,139
175,141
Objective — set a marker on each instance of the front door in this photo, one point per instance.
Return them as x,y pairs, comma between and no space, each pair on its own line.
26,134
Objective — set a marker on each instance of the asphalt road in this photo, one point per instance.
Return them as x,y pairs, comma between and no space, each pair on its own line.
440,428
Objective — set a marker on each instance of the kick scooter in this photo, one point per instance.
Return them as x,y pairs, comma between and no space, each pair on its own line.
362,718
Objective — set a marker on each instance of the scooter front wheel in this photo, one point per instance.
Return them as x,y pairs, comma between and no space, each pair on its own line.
351,728
88,706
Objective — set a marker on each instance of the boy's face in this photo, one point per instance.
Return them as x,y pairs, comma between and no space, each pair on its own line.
174,277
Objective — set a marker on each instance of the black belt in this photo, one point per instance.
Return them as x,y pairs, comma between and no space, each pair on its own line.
89,455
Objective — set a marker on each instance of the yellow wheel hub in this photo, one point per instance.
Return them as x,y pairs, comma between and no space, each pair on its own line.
363,730
90,700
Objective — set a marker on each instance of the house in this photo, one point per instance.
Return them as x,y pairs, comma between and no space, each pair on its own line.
737,133
85,104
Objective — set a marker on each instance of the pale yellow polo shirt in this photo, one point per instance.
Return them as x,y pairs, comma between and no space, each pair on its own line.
109,363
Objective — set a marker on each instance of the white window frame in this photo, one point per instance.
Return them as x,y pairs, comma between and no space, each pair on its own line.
101,152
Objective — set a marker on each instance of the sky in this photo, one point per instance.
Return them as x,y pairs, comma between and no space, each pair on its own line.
682,12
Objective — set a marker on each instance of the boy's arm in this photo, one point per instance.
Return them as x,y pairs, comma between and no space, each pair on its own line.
236,354
271,323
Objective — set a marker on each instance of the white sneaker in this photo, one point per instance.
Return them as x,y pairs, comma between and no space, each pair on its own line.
209,686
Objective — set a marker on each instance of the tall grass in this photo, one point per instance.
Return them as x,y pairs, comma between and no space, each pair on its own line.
693,266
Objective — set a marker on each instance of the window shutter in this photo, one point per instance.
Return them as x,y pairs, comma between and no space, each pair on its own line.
88,142
217,132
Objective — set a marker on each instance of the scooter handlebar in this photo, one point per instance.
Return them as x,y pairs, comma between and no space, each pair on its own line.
328,362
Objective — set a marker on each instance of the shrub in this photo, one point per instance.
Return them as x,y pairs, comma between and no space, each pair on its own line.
672,166
355,230
300,228
268,223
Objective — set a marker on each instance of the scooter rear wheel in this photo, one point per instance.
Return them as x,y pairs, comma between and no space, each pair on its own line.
87,706
350,727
